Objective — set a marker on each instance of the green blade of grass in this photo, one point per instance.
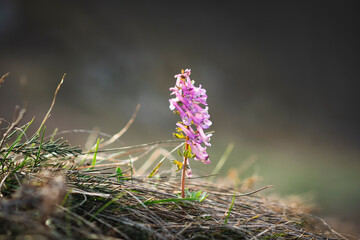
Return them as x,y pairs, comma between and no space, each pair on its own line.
106,205
65,198
53,134
19,166
95,154
160,201
230,207
222,160
203,196
40,145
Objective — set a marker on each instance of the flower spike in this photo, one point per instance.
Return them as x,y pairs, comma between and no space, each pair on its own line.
190,103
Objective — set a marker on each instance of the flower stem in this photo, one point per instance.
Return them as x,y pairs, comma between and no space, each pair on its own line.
184,173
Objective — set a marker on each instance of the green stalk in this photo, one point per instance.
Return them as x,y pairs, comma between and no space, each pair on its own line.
95,154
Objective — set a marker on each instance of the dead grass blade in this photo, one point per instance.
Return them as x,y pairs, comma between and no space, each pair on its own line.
2,78
123,130
52,104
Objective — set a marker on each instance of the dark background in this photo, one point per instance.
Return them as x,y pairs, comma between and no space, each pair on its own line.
281,76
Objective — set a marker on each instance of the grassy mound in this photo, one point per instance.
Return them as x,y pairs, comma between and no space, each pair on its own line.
75,205
51,190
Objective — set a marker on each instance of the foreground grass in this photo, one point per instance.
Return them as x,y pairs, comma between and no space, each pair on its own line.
50,190
90,206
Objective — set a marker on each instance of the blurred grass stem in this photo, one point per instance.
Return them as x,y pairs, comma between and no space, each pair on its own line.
222,160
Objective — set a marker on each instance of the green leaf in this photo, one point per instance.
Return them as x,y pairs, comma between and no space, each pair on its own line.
119,173
188,153
199,196
184,147
179,152
177,135
178,165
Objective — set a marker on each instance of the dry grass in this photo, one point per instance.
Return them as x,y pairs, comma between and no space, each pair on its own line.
50,190
101,207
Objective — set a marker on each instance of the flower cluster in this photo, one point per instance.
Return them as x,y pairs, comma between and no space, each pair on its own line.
187,102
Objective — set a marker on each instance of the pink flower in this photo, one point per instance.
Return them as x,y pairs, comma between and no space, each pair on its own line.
205,138
187,101
200,152
184,116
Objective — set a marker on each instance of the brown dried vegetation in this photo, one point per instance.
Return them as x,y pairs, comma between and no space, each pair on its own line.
50,190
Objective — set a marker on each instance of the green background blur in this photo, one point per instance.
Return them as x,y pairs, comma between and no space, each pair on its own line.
282,79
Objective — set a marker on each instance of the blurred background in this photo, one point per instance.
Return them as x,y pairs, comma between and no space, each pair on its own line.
281,76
